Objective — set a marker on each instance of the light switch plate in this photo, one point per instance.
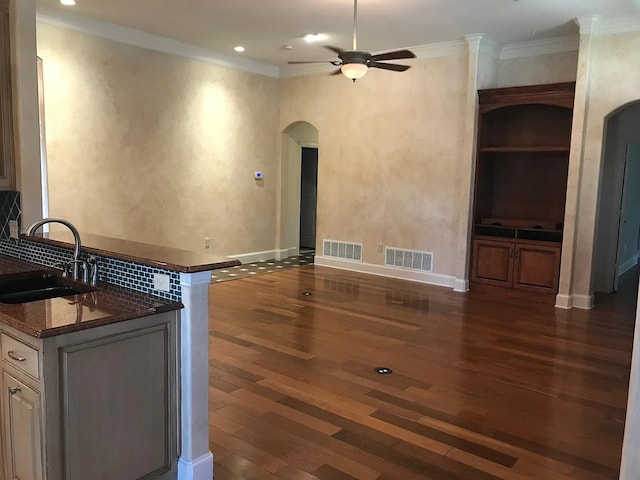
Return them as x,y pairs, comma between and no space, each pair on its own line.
13,229
161,282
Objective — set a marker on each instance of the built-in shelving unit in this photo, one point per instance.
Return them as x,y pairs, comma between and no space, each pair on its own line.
523,148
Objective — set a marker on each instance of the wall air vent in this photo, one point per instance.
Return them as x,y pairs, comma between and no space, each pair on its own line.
410,259
343,250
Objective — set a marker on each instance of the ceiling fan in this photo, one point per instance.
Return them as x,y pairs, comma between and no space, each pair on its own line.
354,63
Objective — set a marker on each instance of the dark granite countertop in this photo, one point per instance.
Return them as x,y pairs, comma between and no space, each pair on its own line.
107,304
146,254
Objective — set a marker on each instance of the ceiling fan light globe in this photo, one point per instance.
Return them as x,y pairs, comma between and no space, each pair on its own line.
354,71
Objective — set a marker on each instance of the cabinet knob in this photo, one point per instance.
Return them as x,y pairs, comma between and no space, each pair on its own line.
14,390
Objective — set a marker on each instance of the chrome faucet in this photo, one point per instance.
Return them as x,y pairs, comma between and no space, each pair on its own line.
77,263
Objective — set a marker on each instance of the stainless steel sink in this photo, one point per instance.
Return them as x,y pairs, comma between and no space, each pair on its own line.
38,285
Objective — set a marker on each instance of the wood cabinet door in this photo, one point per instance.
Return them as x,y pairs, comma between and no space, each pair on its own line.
492,262
21,415
536,267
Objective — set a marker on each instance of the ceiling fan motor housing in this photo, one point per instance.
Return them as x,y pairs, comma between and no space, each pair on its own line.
355,56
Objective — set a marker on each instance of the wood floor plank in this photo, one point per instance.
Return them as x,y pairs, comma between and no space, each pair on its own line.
483,387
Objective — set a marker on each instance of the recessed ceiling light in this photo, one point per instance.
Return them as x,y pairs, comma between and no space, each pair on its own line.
68,2
239,49
314,37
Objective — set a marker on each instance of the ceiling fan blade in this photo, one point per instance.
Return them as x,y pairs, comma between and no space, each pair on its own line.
336,72
335,50
389,66
397,55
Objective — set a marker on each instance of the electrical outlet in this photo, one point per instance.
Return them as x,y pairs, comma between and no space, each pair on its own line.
161,282
207,242
380,248
13,229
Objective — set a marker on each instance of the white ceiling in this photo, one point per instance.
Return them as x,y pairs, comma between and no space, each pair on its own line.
263,27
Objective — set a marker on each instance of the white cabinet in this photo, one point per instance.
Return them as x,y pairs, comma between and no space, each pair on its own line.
96,403
22,420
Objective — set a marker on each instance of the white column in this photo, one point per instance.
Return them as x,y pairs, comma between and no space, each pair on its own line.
566,297
467,163
196,460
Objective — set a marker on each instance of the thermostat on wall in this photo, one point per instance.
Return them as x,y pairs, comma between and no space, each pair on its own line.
258,176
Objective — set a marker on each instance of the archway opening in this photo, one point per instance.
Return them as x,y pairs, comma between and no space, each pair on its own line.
617,244
297,208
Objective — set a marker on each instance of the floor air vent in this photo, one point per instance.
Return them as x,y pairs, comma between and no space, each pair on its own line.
344,250
411,259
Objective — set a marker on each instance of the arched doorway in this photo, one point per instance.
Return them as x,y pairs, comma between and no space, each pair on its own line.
296,138
617,243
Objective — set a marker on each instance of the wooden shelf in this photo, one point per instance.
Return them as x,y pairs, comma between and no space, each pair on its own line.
541,149
523,144
519,233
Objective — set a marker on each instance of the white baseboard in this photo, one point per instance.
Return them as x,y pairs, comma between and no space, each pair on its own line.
567,302
255,256
564,301
461,285
386,271
266,255
584,302
199,469
628,265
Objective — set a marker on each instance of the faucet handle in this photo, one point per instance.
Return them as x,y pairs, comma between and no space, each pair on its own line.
64,266
92,263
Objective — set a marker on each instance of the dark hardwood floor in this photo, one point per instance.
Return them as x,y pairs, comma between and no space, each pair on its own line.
481,388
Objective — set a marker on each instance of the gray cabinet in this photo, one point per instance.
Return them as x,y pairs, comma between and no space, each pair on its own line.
100,403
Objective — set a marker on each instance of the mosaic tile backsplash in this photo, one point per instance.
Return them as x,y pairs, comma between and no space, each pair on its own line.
119,272
9,210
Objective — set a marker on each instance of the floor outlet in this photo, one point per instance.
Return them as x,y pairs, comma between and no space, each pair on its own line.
161,282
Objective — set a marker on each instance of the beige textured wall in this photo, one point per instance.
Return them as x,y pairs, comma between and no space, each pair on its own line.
158,148
389,148
612,84
25,93
538,69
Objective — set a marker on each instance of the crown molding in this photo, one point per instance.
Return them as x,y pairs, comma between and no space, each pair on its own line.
440,49
618,24
587,23
150,41
490,47
544,46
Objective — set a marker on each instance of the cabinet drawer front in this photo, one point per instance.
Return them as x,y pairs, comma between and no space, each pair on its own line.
22,356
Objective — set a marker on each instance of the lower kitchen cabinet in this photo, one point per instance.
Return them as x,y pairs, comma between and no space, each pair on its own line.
99,403
22,420
516,264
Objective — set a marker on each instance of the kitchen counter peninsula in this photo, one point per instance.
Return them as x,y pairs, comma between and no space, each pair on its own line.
105,305
143,253
89,381
175,277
